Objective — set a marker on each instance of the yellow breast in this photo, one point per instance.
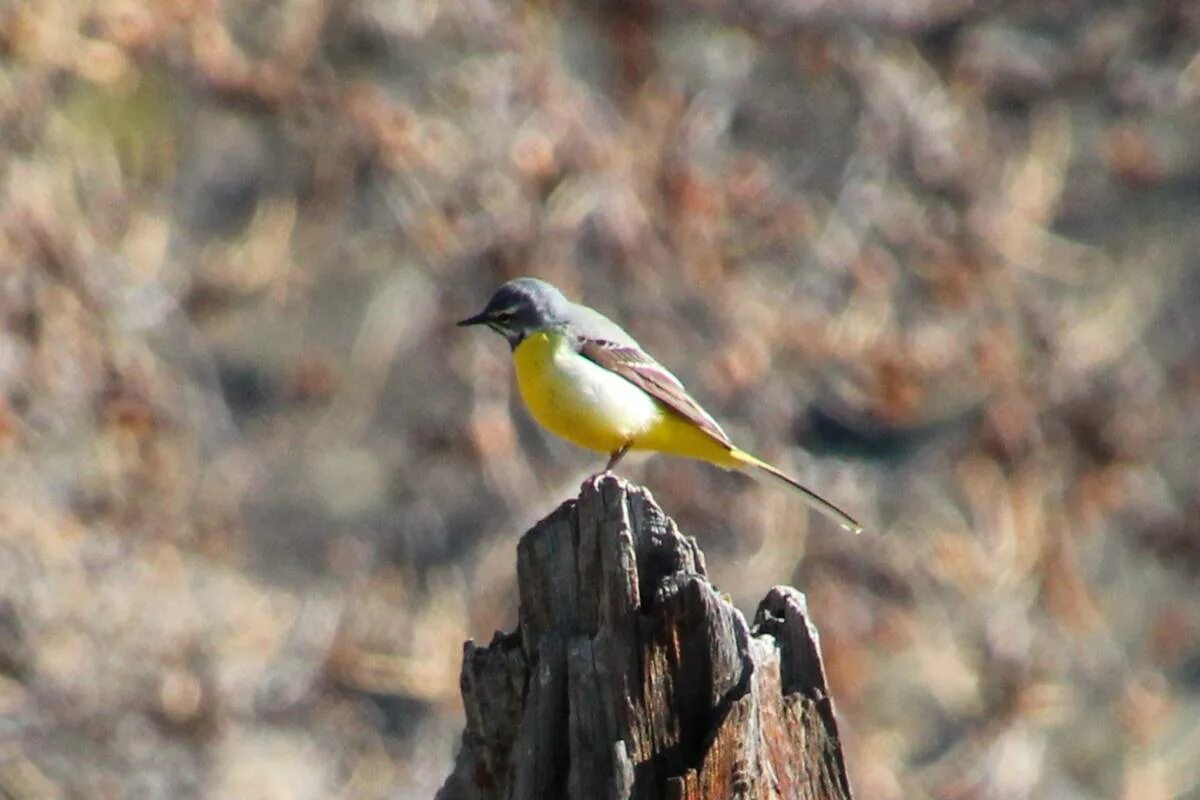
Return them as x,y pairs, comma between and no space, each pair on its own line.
584,403
575,398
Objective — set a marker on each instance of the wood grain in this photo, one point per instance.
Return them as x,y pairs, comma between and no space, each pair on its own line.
631,677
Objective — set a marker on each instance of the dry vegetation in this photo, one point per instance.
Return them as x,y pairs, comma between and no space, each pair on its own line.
938,257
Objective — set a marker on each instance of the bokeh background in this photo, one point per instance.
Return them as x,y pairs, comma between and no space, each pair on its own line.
937,257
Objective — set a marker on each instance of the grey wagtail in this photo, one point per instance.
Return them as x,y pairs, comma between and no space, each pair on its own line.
585,379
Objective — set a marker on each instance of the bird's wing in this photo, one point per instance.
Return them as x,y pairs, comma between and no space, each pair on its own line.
635,366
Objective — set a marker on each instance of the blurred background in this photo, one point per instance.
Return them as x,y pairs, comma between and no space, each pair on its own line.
938,258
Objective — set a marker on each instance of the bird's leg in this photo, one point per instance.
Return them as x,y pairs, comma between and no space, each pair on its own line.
616,456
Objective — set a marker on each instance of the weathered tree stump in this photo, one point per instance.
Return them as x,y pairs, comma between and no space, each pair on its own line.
630,676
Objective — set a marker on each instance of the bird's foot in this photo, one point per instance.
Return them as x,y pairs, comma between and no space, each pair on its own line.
616,456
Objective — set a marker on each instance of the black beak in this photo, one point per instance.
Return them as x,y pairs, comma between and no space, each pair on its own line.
479,319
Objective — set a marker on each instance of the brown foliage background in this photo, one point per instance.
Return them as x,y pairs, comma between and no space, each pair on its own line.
939,258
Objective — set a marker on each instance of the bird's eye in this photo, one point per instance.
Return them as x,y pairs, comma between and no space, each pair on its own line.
503,316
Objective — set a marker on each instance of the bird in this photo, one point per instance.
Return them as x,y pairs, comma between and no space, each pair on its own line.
583,378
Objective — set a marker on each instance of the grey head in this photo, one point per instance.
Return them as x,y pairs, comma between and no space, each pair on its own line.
522,306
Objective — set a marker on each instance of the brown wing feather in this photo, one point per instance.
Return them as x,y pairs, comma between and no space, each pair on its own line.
635,366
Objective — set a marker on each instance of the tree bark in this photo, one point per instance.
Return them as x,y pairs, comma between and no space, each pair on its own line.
631,677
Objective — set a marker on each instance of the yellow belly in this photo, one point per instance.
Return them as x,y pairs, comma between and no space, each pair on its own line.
582,402
678,436
576,399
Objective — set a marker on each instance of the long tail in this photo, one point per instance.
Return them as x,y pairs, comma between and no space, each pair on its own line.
814,500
